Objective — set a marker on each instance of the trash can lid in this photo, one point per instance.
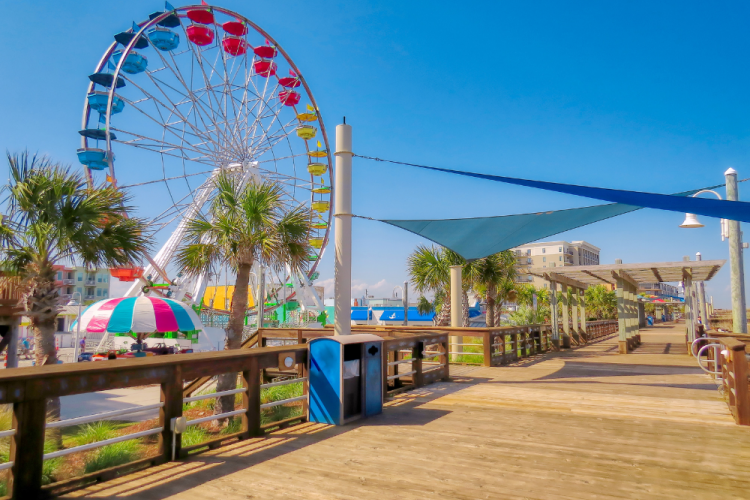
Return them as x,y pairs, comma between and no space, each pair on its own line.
358,338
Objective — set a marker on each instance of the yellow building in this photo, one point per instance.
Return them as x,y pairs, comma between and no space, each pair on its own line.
221,297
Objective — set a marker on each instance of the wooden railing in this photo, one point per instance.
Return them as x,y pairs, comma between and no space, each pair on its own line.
599,329
725,355
735,373
414,360
28,390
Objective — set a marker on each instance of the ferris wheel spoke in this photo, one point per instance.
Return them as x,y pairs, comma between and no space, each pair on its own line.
179,134
200,60
156,142
198,104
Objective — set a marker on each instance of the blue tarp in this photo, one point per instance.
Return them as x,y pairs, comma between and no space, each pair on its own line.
398,315
361,314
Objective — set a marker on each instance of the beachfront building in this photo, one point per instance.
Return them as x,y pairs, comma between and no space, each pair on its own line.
551,254
92,284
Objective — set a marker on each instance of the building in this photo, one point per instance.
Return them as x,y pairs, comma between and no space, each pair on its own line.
92,284
663,291
551,254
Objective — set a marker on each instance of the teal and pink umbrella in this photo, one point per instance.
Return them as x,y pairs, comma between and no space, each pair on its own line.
139,315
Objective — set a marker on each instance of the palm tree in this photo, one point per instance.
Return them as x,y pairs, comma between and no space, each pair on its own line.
424,306
490,274
601,302
245,225
429,268
54,217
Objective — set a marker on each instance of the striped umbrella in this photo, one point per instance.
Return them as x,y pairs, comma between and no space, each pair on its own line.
139,315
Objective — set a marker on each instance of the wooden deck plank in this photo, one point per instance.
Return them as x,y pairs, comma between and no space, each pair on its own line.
581,424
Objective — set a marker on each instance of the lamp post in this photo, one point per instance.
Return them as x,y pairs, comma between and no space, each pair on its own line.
78,323
730,229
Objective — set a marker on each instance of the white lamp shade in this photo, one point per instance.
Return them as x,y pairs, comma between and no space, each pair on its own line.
691,221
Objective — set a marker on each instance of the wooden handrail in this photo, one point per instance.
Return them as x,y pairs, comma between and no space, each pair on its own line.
29,388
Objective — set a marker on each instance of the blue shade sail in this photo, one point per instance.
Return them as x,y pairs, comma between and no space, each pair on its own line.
723,209
479,237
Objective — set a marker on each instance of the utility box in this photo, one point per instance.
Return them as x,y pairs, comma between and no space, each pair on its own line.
345,378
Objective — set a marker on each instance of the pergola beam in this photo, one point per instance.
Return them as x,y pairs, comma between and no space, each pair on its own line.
564,280
625,277
598,277
657,275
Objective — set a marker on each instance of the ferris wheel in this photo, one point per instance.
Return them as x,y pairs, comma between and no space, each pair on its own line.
183,96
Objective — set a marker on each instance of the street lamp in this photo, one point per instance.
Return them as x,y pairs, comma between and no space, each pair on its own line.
691,220
730,229
78,323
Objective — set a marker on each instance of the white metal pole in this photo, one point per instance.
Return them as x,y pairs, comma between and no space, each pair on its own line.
703,307
78,328
737,278
406,303
343,231
261,296
457,315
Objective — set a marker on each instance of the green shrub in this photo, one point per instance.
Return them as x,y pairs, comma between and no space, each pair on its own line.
113,455
194,434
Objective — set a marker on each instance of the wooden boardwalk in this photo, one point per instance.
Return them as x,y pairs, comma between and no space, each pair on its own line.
582,424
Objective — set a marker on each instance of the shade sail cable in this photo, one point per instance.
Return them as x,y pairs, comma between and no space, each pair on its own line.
724,209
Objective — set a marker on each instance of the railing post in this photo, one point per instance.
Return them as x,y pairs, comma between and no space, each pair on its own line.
416,364
27,448
487,346
171,396
251,399
741,388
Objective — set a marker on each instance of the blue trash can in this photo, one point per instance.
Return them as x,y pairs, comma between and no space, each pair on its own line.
345,378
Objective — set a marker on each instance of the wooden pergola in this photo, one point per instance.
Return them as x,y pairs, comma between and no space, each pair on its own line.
626,278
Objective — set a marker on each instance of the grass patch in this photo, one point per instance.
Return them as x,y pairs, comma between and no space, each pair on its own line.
50,467
472,359
271,394
97,431
113,455
194,434
281,412
234,425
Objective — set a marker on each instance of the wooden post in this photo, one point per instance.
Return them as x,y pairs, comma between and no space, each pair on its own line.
487,345
565,316
416,364
251,399
574,310
741,387
584,330
555,319
27,448
622,317
171,396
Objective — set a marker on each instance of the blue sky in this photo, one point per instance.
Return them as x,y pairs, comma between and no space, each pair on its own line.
646,96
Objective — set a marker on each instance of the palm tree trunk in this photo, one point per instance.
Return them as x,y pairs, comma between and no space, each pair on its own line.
228,381
465,308
45,354
490,311
443,318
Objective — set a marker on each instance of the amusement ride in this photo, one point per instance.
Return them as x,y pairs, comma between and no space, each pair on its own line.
183,96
